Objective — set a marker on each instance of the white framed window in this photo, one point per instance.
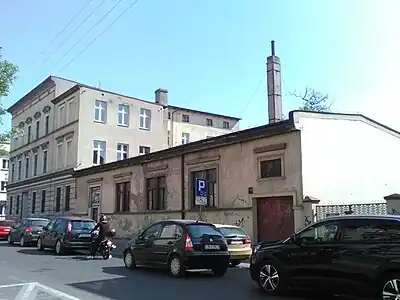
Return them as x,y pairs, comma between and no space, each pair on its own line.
145,119
100,111
70,111
44,163
122,151
99,152
225,125
60,156
144,150
61,115
185,138
68,153
185,118
3,186
35,164
123,115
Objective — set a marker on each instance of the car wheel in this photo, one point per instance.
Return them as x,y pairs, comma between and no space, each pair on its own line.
59,248
22,241
389,287
9,240
129,260
235,262
39,245
176,267
219,271
270,279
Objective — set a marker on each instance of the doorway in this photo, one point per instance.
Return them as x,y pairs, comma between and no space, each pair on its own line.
94,213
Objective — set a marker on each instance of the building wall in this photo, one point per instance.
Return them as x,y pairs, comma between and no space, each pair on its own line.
197,127
347,160
111,133
237,168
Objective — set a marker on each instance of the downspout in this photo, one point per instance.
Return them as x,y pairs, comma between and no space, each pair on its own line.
182,186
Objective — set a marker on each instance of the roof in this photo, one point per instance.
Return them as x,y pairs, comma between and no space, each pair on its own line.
186,221
255,133
37,219
176,108
363,217
226,226
74,218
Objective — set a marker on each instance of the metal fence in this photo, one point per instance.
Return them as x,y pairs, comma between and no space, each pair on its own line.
323,211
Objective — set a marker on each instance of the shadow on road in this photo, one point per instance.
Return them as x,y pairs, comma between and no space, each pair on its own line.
34,251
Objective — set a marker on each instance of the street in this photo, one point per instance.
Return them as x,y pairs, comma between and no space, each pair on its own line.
80,278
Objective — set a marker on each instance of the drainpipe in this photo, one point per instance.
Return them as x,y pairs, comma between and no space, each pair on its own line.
182,186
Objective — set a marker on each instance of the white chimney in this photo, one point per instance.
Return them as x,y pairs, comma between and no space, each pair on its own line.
274,86
161,97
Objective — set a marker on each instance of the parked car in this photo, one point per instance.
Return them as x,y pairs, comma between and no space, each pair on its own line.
27,231
179,245
66,233
350,255
239,242
5,227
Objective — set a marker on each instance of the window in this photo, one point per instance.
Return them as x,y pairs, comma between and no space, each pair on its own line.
37,129
29,133
35,164
99,149
371,230
58,199
123,115
225,125
171,231
33,202
70,111
68,154
46,125
27,167
17,206
44,161
169,115
145,119
320,232
12,172
271,168
60,156
123,196
19,169
209,122
151,232
61,116
100,111
144,150
185,138
67,198
43,201
11,205
185,118
122,151
5,163
3,186
156,194
199,230
210,176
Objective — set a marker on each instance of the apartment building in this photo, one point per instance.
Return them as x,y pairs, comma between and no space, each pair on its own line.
4,164
78,126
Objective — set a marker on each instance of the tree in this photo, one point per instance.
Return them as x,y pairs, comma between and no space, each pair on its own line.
313,100
8,73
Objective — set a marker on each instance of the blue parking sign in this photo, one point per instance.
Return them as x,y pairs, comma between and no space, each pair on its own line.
201,192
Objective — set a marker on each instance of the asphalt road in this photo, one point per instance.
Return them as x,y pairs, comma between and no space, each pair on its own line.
97,279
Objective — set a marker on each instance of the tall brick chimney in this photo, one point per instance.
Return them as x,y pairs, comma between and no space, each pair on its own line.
274,86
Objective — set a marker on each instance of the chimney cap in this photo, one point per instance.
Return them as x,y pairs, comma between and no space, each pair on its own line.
161,90
273,48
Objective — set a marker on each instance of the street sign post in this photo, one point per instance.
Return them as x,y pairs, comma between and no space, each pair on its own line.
201,192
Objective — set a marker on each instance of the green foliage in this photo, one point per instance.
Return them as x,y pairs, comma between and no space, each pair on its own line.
313,100
8,73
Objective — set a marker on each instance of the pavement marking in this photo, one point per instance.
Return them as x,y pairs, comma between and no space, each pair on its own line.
14,284
25,292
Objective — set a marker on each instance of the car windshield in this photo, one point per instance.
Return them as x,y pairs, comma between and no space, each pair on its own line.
82,225
39,223
198,230
7,223
232,231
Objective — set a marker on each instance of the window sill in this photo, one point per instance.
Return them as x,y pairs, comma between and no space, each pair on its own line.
144,128
99,122
123,125
271,179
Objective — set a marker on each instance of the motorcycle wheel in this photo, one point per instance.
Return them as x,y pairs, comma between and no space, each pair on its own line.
106,254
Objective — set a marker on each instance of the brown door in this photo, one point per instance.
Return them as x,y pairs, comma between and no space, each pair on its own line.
275,218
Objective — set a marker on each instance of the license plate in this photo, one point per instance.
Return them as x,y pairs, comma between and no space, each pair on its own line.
84,236
211,247
236,243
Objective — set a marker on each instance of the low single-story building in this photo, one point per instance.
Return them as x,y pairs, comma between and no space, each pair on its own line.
257,178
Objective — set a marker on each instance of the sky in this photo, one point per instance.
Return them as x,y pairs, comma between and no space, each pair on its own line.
210,54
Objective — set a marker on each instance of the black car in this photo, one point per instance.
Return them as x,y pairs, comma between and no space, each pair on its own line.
356,256
27,231
66,233
179,245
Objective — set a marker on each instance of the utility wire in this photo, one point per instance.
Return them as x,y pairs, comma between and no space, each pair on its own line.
72,33
252,96
98,36
87,32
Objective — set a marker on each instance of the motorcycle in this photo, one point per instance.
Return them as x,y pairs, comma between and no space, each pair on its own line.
106,245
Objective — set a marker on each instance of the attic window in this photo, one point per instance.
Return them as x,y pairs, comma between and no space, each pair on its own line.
185,118
271,168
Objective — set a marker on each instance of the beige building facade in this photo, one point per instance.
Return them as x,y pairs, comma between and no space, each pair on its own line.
65,126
